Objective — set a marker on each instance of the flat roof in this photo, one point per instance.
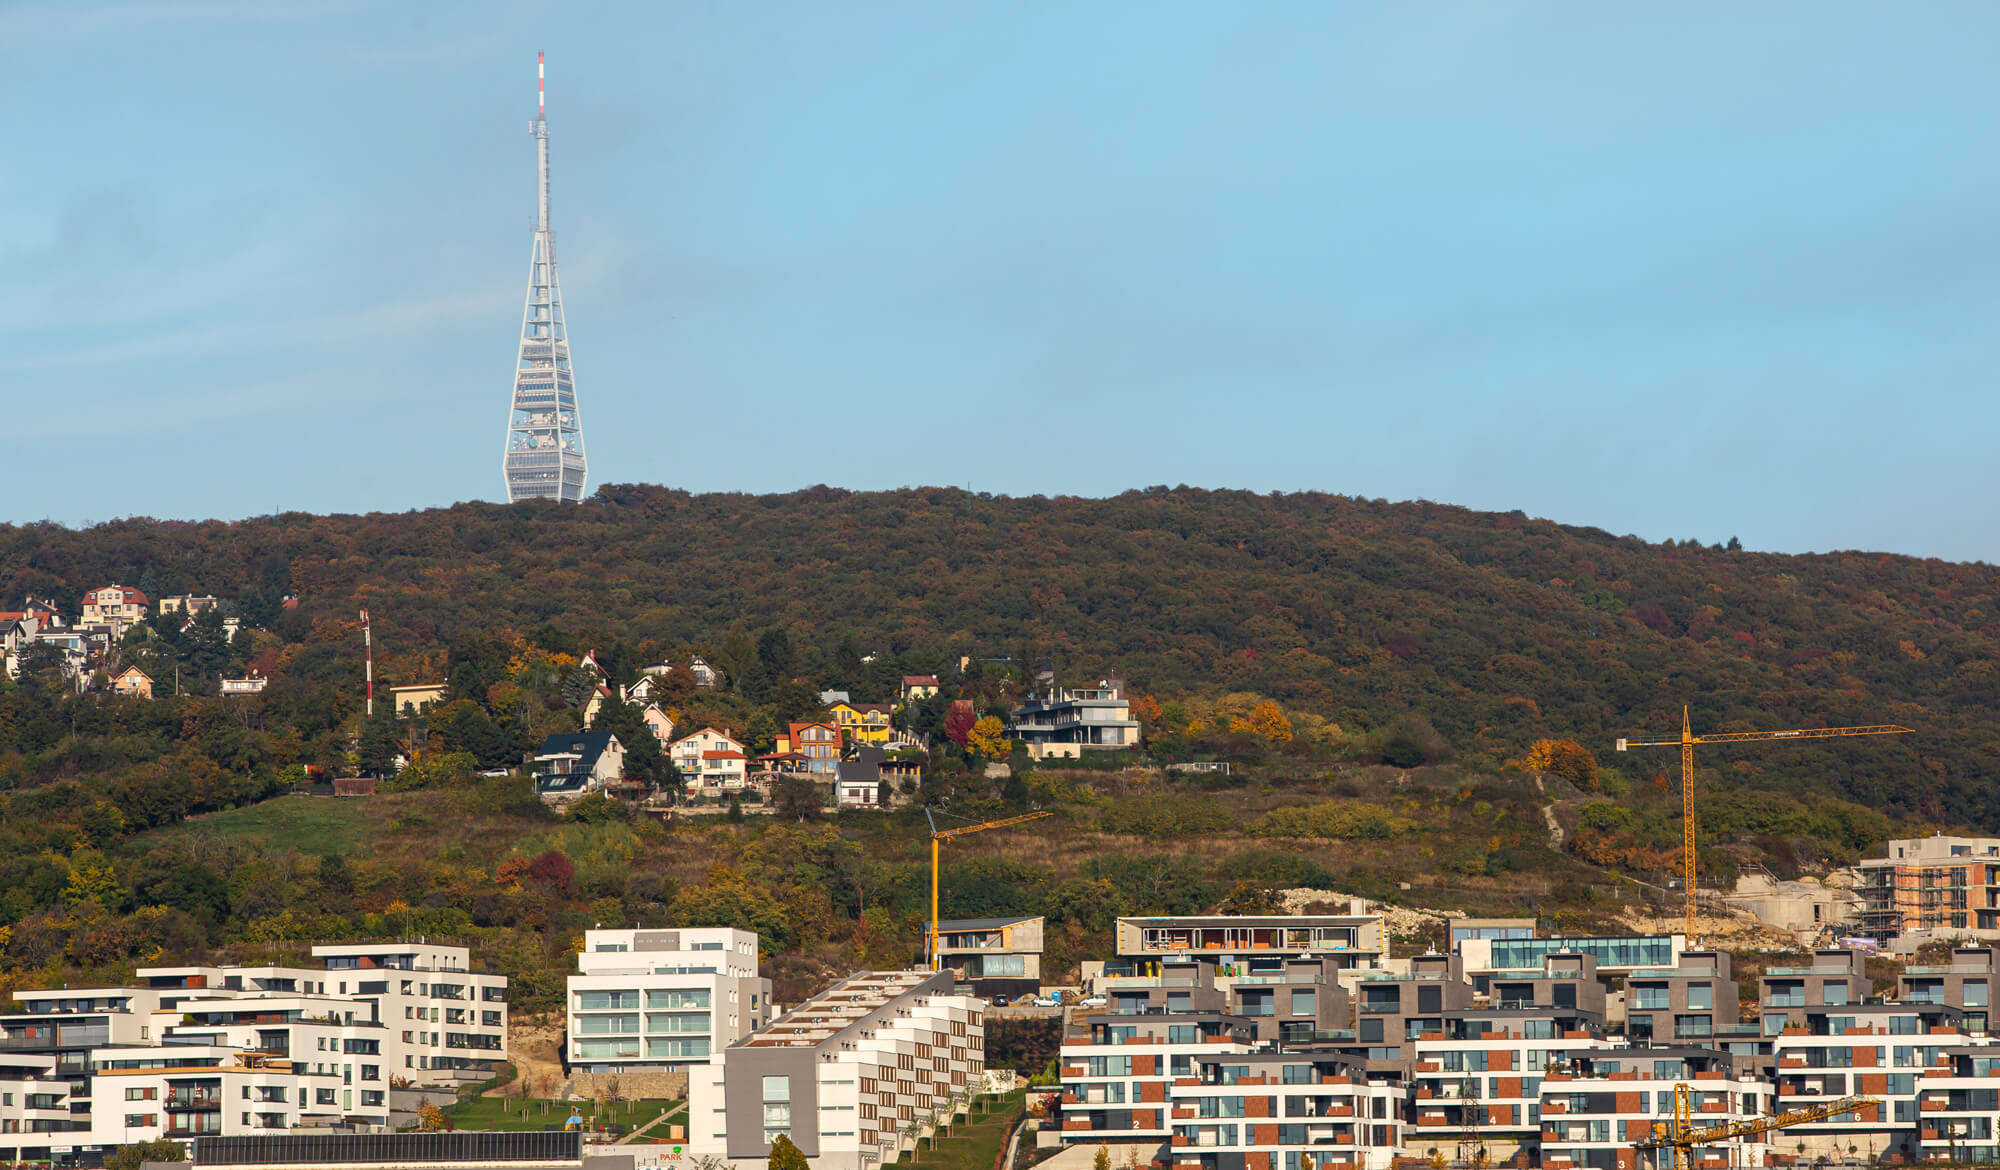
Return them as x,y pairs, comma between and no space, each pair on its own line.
1249,919
984,923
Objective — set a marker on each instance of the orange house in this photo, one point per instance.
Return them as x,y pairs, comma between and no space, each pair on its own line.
819,743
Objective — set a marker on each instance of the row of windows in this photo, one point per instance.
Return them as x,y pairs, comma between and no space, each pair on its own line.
656,1048
680,998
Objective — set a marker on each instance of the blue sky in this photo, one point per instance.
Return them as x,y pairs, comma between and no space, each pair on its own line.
1690,271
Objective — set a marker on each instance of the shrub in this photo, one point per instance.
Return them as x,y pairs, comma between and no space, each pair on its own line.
1344,820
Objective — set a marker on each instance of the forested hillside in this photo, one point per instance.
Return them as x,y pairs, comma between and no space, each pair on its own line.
1499,628
1487,660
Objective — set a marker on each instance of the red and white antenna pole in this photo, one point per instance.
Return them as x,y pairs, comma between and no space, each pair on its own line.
368,646
541,90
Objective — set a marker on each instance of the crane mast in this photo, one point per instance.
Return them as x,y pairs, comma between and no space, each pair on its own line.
940,835
1688,741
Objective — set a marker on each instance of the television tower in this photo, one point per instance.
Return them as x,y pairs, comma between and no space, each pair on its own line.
544,457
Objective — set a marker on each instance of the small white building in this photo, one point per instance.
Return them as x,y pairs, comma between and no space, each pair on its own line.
663,998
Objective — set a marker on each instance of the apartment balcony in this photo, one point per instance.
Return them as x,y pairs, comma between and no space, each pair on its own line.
192,1104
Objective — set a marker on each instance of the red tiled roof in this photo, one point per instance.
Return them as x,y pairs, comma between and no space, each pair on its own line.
132,596
722,755
920,680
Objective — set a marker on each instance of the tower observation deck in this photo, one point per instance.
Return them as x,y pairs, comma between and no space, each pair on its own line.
544,455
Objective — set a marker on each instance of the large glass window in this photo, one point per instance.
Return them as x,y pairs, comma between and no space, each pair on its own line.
1001,965
608,1049
677,998
1648,999
1835,991
591,1001
1304,1003
1701,996
677,1048
676,1022
606,1025
1975,993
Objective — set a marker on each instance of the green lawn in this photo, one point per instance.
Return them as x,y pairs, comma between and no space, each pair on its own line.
507,1113
974,1142
309,824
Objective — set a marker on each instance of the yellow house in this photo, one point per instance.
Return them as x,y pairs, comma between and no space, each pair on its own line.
863,722
416,698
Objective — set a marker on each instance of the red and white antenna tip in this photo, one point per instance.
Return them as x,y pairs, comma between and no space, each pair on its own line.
541,87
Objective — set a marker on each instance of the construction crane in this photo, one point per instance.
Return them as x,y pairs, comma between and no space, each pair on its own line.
1687,743
1682,1135
938,835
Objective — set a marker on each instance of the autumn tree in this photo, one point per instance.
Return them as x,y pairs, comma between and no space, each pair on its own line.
1562,757
786,1156
959,721
988,738
1269,721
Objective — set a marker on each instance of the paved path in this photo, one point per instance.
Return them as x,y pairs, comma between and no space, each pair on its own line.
662,1119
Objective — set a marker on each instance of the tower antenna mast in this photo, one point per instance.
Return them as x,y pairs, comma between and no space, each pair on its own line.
368,651
543,459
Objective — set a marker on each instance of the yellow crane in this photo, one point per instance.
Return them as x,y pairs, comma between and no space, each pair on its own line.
939,835
1682,1135
1687,743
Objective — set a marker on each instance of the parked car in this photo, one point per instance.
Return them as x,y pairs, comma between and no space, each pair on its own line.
999,1001
1092,1001
1048,1001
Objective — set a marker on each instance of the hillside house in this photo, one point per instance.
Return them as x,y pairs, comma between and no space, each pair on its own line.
416,698
995,956
577,763
710,761
819,743
252,683
660,724
132,682
919,686
857,783
119,606
1063,723
863,722
187,603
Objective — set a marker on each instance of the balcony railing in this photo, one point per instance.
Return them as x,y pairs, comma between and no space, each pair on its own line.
193,1104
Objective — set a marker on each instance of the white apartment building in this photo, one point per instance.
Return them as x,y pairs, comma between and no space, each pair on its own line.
444,1023
1604,1100
850,1075
1485,1077
226,1050
663,998
1284,1110
34,1107
1880,1051
1959,1103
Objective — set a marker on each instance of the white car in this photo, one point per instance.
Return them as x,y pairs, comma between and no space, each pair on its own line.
1093,1001
1047,1001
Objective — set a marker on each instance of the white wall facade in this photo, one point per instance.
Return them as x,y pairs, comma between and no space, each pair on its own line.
663,998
